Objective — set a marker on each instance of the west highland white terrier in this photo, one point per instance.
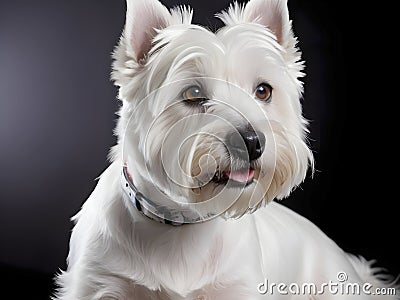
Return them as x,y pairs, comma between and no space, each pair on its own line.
210,133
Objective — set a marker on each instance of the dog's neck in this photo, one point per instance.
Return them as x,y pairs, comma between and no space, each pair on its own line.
162,214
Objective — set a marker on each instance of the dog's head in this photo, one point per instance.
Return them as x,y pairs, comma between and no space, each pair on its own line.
211,118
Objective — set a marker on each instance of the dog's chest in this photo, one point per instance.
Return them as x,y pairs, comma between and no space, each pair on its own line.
205,264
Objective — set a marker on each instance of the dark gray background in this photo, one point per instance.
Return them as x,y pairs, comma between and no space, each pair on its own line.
57,109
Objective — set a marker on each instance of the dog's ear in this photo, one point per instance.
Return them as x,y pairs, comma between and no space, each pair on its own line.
273,14
143,19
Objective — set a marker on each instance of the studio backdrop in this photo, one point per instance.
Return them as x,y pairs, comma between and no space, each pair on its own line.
57,114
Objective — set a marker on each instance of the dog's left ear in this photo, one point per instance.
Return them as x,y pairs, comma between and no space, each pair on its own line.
273,14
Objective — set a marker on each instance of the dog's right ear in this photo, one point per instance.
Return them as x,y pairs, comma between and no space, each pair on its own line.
143,19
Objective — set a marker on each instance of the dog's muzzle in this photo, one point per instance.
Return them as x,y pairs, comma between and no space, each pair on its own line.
246,144
244,147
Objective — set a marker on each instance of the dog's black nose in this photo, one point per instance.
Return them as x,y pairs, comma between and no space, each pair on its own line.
246,144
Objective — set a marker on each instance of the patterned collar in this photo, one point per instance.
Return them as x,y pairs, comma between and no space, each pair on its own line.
155,212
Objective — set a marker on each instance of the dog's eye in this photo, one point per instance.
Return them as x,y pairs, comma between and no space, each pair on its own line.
193,94
264,91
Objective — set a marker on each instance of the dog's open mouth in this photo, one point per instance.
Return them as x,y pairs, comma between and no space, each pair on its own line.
242,177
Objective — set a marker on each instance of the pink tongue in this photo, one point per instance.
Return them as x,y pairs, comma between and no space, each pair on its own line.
241,176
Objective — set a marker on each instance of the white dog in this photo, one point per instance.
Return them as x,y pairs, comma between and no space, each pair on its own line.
210,132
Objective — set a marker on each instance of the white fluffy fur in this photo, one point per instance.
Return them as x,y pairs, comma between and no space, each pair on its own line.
116,253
